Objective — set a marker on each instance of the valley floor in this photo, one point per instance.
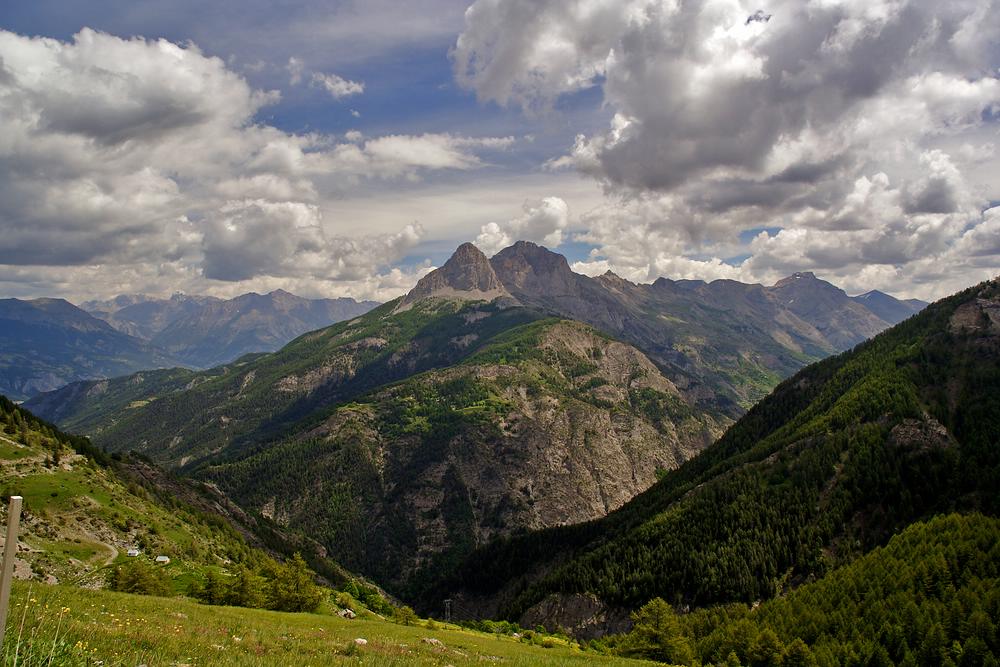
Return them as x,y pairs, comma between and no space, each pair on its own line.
61,625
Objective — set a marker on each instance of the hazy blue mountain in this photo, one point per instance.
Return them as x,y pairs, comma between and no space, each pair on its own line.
206,331
144,316
47,343
889,308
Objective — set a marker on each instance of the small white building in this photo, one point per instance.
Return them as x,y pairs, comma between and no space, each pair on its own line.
162,559
133,552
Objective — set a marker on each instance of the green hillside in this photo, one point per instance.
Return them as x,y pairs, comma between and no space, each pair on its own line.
183,419
929,597
83,512
836,460
81,515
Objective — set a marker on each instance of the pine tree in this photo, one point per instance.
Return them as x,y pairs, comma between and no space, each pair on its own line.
657,635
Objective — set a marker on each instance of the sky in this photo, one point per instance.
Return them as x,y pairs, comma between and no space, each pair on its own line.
346,148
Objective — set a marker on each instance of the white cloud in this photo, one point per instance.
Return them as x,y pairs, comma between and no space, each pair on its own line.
862,129
337,86
149,157
543,222
295,69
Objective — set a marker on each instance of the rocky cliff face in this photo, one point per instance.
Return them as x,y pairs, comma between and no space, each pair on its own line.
536,271
466,276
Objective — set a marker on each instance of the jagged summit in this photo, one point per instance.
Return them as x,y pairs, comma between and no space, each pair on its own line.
800,314
467,275
796,277
530,268
614,281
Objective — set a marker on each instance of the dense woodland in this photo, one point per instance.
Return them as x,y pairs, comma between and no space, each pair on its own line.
930,597
838,459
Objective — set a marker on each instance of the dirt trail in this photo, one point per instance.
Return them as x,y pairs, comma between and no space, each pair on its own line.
11,442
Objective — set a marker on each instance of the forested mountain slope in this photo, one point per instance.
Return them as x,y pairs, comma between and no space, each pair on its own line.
931,596
519,421
549,424
831,464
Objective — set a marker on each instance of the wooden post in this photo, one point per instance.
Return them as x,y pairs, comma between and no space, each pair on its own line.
9,554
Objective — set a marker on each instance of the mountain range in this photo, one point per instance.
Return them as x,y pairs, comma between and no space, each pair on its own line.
489,440
498,395
48,343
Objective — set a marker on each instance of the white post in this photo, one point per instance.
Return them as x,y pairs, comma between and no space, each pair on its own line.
9,554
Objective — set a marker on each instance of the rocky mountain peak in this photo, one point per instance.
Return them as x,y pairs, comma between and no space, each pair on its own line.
531,268
467,274
804,277
613,281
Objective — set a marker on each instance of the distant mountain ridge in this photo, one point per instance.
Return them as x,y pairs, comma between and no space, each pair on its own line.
889,308
720,341
204,331
145,316
47,343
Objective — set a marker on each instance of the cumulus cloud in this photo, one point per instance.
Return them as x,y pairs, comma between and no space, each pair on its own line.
149,156
840,121
542,222
337,86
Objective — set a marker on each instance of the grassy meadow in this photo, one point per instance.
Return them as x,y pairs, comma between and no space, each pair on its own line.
61,625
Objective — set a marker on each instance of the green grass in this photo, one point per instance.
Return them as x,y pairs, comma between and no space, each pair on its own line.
83,627
11,452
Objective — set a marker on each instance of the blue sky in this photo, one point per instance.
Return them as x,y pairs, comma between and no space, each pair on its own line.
347,147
